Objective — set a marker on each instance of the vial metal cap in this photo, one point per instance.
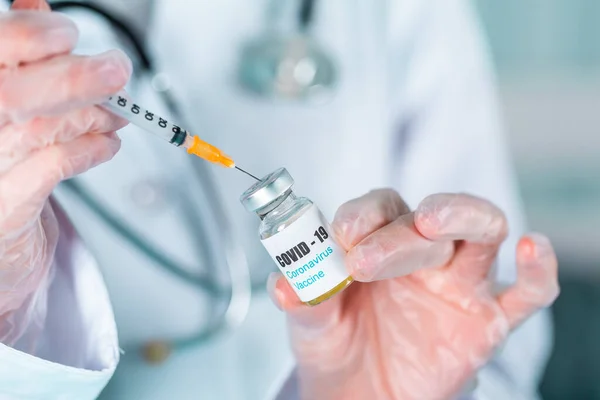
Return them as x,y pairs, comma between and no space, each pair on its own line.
267,190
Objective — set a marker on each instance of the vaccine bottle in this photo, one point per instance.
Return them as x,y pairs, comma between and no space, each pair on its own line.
298,237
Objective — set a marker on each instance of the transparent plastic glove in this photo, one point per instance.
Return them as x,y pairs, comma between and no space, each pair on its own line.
50,130
424,316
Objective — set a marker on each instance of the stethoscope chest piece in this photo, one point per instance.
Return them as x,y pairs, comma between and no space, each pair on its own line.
292,67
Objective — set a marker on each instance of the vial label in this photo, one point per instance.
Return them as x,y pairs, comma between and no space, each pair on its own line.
308,256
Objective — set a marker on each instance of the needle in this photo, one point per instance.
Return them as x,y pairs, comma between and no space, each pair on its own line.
247,173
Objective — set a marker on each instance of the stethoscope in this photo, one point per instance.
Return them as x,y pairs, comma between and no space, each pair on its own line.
273,66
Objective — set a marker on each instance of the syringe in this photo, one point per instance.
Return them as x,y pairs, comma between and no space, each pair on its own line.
121,105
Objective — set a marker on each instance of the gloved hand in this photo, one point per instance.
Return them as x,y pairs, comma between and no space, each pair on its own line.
424,316
50,130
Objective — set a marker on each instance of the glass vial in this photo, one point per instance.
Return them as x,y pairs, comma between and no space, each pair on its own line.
298,238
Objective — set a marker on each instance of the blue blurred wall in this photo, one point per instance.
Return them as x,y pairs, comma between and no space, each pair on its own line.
544,35
547,55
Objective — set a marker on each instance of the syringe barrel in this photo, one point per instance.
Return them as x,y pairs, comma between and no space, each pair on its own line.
121,105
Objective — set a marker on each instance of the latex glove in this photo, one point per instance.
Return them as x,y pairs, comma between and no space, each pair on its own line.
423,317
50,130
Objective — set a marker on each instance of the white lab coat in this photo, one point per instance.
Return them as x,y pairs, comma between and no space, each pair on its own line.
416,110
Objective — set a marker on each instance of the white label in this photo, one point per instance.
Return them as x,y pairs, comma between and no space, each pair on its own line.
308,256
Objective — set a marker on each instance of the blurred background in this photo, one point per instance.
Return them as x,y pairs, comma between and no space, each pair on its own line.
547,55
